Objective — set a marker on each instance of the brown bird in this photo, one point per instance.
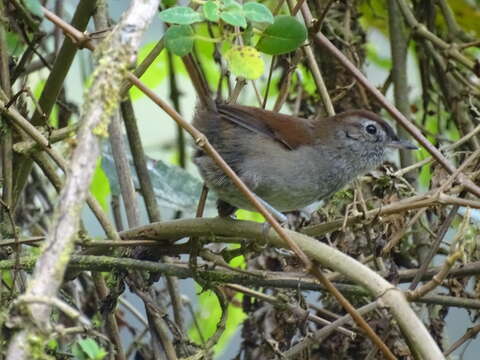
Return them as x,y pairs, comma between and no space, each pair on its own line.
289,162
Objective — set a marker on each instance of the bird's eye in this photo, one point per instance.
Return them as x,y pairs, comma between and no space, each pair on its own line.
371,129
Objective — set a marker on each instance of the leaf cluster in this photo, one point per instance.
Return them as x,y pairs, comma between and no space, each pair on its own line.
262,32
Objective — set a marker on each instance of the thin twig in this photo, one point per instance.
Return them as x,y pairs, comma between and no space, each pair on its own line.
434,246
59,304
456,253
297,310
322,333
469,335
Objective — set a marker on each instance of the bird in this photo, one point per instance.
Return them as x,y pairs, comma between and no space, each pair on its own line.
288,162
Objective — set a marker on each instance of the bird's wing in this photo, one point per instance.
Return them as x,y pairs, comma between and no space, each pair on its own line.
288,130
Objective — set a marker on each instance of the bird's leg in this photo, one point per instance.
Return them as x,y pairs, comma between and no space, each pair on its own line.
282,219
225,209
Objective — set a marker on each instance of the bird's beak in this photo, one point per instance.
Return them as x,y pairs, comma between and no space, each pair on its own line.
402,144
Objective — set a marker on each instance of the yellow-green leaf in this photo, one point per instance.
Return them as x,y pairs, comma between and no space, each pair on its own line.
100,186
245,61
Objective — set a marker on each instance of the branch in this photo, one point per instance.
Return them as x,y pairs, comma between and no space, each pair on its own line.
115,56
269,279
421,30
332,258
22,124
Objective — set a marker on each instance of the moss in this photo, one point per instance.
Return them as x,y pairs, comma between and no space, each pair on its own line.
64,258
36,347
207,278
111,69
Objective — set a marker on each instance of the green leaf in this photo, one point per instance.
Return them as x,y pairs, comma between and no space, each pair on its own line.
284,35
174,187
374,57
249,215
91,349
6,277
307,81
78,353
158,71
34,7
179,39
245,61
234,18
155,73
227,4
257,12
233,14
52,345
14,44
37,92
210,10
182,15
100,186
209,313
38,88
239,261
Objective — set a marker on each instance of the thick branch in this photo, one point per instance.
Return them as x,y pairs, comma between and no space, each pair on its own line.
325,255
